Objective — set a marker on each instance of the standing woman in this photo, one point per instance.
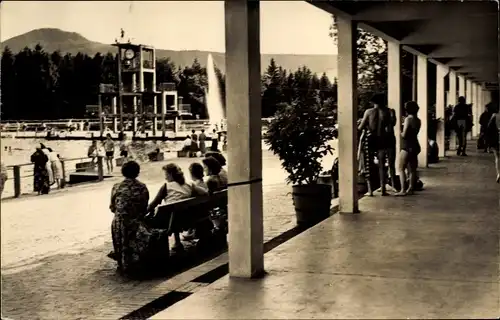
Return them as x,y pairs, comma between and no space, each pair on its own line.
49,167
203,138
493,137
56,166
410,148
137,249
41,182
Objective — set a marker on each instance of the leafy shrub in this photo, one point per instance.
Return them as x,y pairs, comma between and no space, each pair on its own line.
299,134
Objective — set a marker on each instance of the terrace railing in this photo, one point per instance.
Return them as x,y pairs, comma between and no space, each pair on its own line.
18,175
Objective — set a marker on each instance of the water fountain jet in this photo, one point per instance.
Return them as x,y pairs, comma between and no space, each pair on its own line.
213,97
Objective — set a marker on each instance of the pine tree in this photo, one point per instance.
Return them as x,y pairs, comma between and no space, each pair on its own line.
302,86
325,87
7,82
272,93
166,71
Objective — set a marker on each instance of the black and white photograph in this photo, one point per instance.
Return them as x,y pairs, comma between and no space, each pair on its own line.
247,159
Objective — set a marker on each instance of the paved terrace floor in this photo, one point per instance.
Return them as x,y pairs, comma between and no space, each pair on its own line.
432,255
54,247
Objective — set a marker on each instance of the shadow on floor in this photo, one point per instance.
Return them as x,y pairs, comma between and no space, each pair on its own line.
67,286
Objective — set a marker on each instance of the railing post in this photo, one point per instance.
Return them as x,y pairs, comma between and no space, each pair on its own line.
17,181
100,168
63,173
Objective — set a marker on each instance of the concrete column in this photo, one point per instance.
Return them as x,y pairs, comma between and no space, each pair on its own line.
114,112
163,112
423,104
487,97
475,110
135,119
177,122
452,100
246,239
141,70
468,99
468,91
394,89
440,107
461,86
479,107
153,53
347,115
484,98
155,113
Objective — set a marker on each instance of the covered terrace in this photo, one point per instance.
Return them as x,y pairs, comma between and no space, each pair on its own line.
460,37
434,255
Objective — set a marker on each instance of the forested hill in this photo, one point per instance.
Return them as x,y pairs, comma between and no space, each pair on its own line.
55,39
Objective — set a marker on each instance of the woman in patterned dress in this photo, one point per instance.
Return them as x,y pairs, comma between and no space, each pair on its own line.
135,245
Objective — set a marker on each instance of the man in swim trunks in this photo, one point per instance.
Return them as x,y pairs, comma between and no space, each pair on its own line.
109,147
380,120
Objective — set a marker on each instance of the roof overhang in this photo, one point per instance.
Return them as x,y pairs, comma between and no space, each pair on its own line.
462,35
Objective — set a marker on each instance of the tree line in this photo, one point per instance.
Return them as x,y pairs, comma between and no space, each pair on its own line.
36,84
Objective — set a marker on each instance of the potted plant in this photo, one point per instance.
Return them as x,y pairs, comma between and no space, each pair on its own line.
300,134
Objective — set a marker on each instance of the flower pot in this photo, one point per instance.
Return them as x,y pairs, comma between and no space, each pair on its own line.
312,202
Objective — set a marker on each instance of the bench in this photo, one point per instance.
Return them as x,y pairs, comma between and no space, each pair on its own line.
120,161
186,154
156,157
182,154
85,166
188,214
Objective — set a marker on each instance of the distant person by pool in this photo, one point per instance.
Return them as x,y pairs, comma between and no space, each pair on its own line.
215,141
56,166
124,147
41,180
203,138
109,148
92,151
46,151
3,176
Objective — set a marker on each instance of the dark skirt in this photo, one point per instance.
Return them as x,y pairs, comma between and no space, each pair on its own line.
41,180
137,247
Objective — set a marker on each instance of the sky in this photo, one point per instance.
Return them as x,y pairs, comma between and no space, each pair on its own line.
286,26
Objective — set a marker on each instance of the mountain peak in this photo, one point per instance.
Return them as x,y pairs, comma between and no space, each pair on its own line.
49,35
53,39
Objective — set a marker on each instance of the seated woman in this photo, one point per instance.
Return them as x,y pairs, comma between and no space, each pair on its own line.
134,244
215,181
197,174
174,189
222,161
